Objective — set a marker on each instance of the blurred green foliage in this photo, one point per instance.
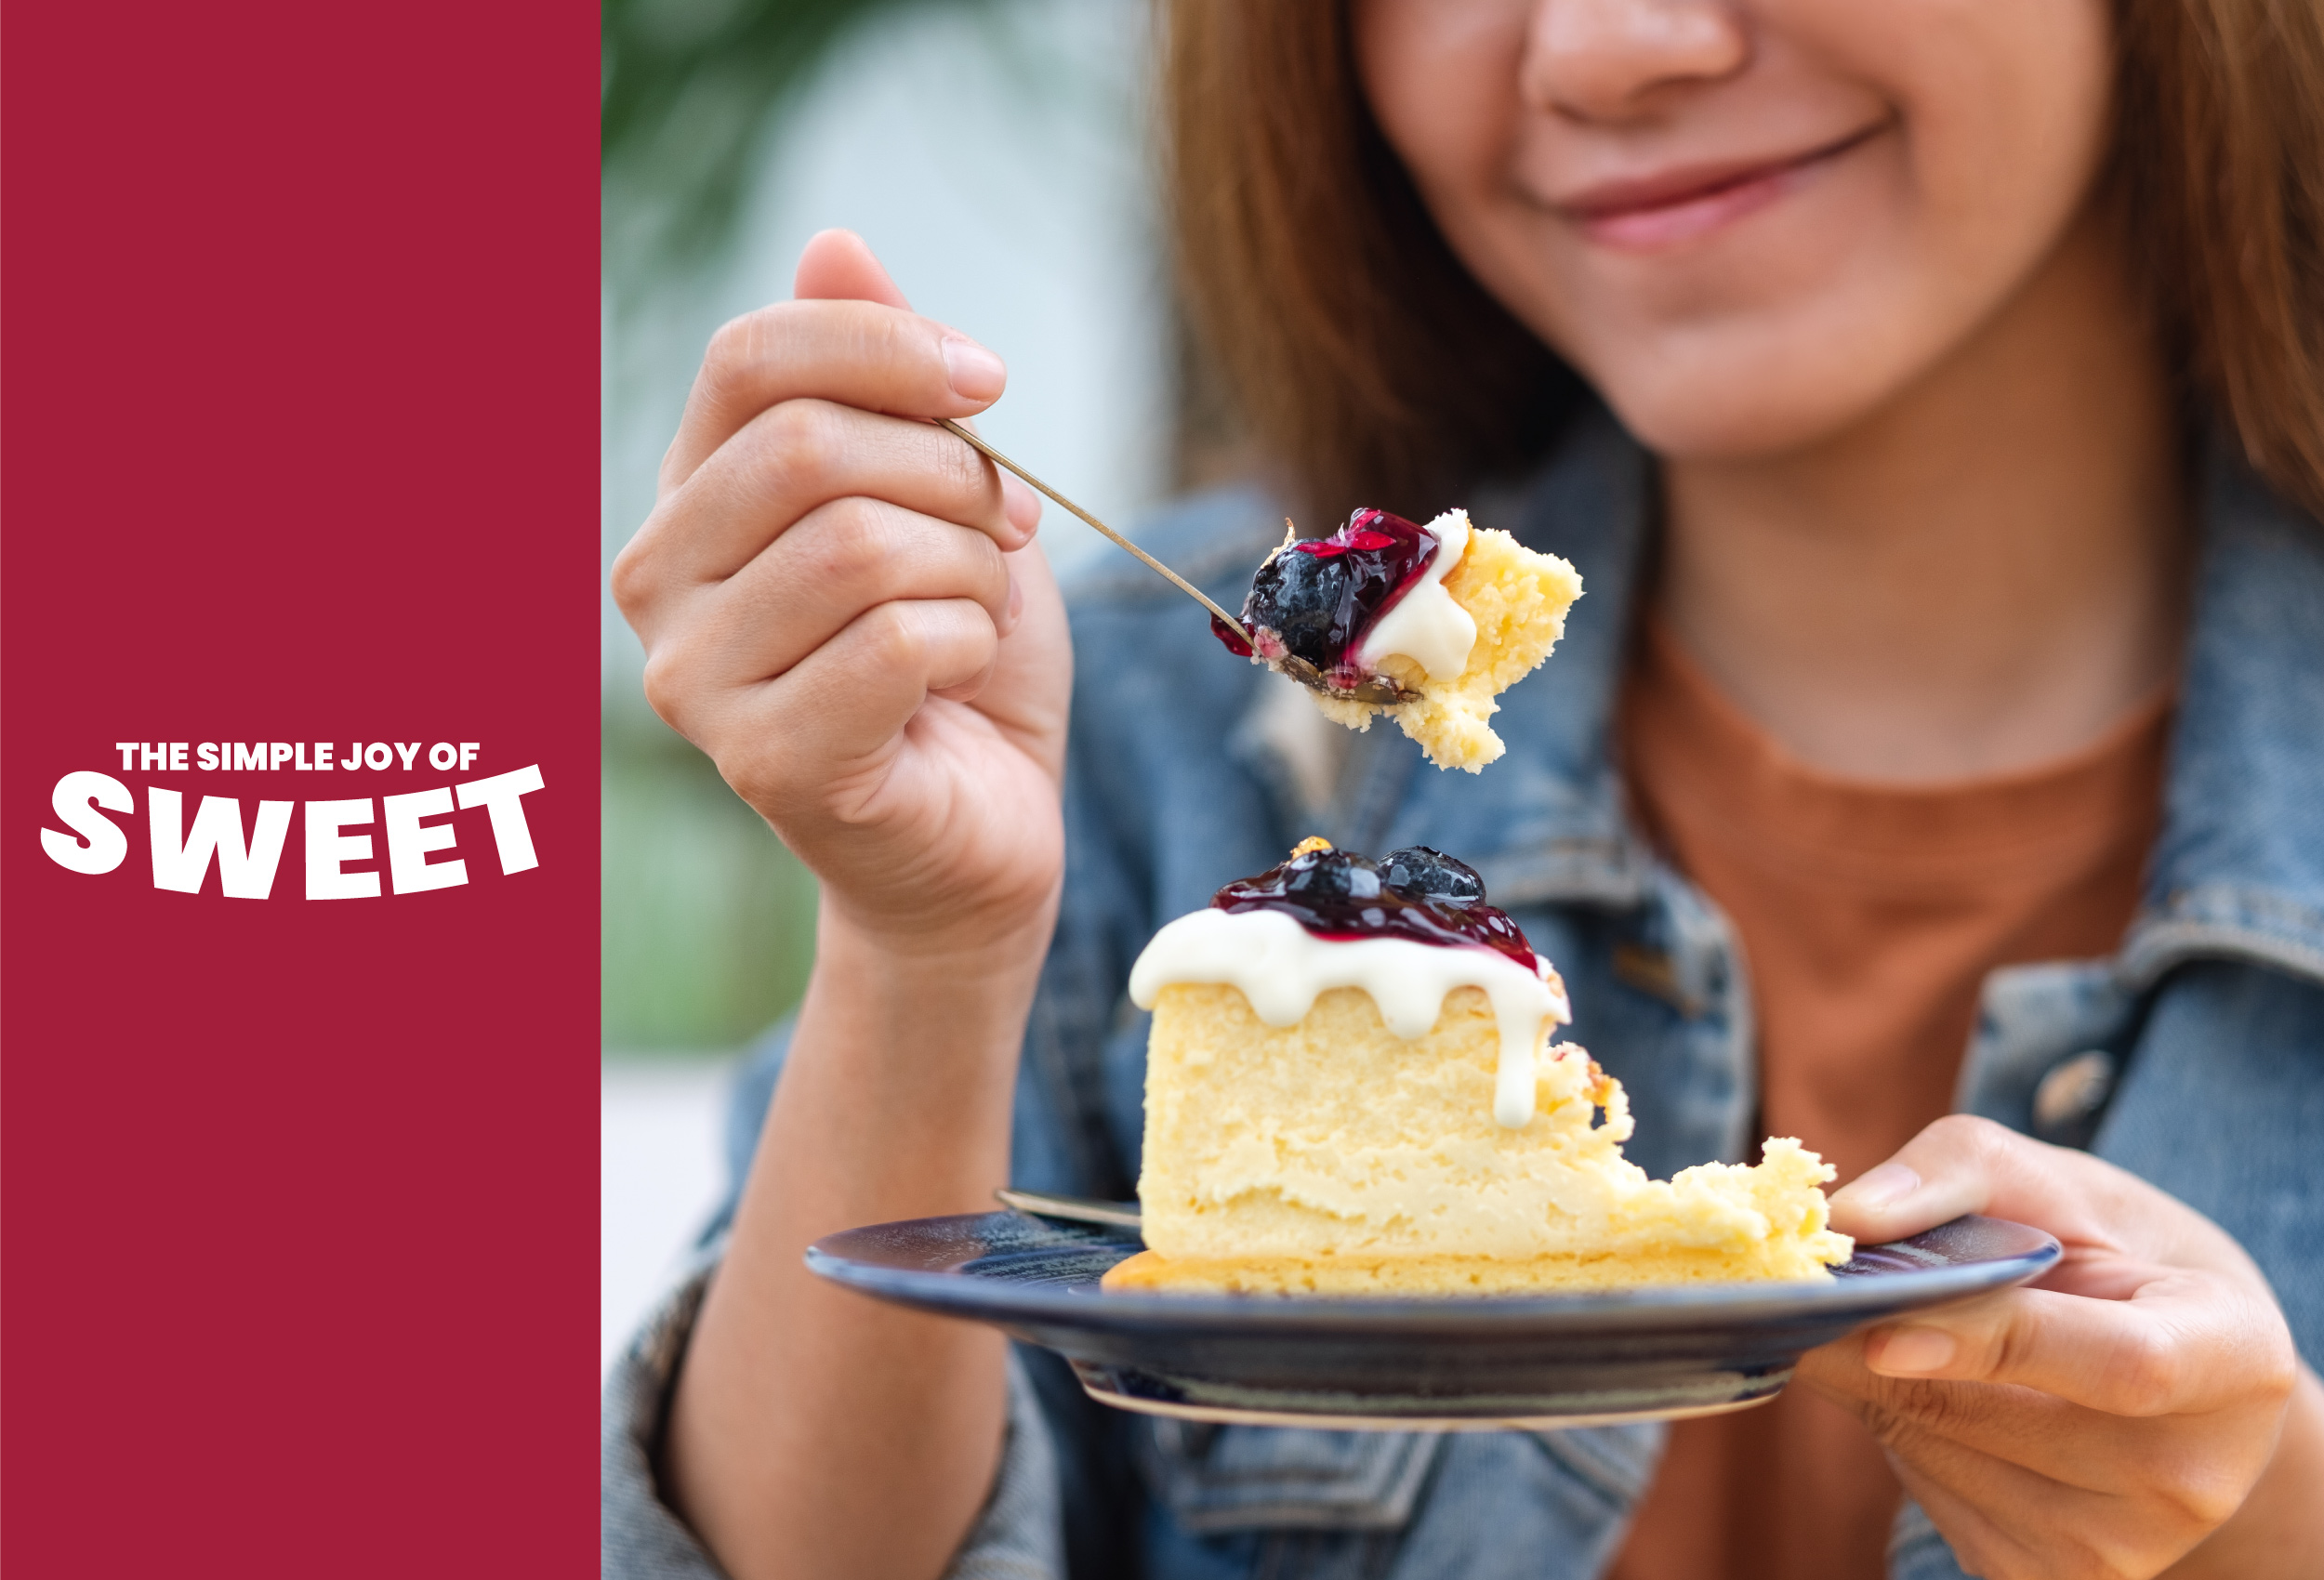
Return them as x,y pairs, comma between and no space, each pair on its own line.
689,88
707,930
708,923
707,926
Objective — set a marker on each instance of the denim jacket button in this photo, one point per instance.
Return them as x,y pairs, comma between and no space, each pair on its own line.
2067,1102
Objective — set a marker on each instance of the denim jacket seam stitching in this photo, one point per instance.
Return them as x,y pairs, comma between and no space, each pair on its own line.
1376,1490
1620,1496
2155,947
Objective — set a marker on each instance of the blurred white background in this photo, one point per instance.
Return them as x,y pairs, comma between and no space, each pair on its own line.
994,152
658,1174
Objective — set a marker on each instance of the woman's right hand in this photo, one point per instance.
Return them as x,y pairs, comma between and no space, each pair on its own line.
843,605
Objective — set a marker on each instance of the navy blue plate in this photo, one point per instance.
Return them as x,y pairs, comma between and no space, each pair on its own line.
1475,1362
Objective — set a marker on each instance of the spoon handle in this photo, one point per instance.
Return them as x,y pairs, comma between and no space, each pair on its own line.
1184,585
1072,1209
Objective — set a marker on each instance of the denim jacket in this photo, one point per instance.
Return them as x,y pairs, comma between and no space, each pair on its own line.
2197,1052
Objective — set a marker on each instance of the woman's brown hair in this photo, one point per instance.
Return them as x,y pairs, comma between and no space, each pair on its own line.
1370,367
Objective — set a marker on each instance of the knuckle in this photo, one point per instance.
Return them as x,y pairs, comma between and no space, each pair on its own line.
1941,1409
802,437
642,574
774,464
957,639
2203,1497
985,564
2277,1379
870,548
896,638
2149,1373
1963,1125
2010,1350
1974,1135
633,579
733,349
667,686
853,546
979,639
2275,1367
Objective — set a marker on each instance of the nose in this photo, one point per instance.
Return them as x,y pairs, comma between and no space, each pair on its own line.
1604,60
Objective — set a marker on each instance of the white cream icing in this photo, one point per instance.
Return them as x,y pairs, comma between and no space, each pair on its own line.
1427,625
1282,967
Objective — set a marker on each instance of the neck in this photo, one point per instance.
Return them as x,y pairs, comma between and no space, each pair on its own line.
1984,575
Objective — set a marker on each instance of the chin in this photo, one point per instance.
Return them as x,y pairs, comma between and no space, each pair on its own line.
1733,424
1745,396
1762,341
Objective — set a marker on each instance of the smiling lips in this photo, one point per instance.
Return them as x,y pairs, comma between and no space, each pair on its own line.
1645,214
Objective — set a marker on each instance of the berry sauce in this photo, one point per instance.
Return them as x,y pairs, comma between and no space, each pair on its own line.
1415,893
1314,598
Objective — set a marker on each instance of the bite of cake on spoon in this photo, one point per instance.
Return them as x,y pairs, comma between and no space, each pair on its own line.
1426,623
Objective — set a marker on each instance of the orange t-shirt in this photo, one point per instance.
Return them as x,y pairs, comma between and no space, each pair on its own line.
1869,913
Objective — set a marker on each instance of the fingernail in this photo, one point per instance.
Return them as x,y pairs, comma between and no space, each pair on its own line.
1889,1183
975,373
1914,1352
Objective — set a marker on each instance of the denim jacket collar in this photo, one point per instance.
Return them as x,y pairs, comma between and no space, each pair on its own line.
2238,870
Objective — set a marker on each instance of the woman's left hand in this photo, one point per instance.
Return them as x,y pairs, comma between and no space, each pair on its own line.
2141,1404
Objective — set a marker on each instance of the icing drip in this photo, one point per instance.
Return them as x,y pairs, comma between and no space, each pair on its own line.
1425,624
1281,967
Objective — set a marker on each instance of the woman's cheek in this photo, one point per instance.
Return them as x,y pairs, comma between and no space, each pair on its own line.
1927,235
1791,326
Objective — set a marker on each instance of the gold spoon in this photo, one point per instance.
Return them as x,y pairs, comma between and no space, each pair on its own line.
1182,583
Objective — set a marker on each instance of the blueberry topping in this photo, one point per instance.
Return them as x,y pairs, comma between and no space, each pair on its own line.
1431,875
1313,600
1324,876
1418,893
1309,601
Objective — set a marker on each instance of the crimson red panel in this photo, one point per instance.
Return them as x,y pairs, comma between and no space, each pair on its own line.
297,380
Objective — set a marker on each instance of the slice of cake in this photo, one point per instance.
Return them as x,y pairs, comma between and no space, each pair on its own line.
1350,1090
1425,624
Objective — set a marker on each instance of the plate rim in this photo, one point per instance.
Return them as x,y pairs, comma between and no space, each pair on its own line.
1649,1306
1225,1416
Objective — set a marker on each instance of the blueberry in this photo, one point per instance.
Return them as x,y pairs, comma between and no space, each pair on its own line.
1312,598
1303,599
1422,874
1326,875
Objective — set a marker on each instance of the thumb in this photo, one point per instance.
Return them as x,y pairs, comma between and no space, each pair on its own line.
839,266
1963,1165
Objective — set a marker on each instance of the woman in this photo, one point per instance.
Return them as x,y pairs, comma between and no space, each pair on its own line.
1948,676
